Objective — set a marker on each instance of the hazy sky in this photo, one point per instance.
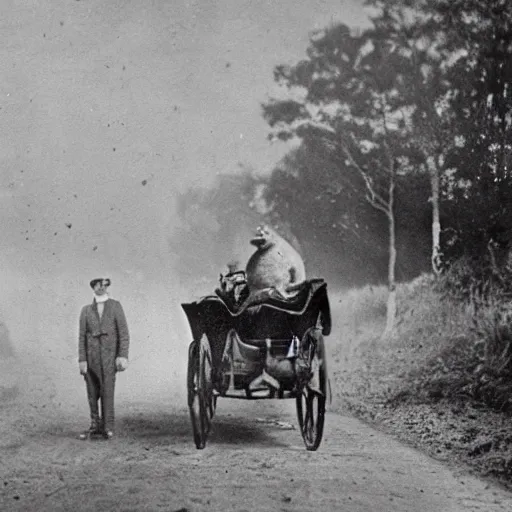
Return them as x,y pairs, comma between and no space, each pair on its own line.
109,108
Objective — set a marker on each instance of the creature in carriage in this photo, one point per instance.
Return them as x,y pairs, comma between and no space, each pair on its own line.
261,336
275,269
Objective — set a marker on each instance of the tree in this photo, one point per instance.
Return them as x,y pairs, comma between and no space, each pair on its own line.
351,105
479,33
410,28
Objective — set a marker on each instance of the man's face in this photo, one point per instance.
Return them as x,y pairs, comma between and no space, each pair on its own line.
100,288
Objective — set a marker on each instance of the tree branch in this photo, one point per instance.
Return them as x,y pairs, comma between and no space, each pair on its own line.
375,199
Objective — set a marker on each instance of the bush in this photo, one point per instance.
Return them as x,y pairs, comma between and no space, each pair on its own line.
452,340
477,363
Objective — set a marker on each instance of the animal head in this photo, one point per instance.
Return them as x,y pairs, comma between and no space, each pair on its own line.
263,238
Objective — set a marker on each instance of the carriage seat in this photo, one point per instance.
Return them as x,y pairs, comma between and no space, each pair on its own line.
242,351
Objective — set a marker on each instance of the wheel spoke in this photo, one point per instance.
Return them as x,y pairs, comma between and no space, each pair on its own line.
202,401
311,401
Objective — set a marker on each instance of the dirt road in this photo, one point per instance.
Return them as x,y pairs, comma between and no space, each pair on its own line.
254,461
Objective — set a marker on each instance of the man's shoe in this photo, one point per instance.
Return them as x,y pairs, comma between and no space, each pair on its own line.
109,434
86,434
93,430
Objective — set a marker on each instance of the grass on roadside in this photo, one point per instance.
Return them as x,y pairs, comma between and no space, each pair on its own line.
442,380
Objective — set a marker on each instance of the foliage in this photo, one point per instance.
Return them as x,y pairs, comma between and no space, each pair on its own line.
351,102
480,210
428,88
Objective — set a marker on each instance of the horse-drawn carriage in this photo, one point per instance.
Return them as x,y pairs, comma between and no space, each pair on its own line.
259,347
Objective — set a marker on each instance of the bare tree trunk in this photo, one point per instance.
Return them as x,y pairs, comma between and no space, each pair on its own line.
387,206
391,306
436,223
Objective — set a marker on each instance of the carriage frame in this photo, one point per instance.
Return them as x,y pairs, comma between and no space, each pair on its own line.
265,347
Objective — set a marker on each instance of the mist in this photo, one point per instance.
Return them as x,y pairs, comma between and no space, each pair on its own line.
108,113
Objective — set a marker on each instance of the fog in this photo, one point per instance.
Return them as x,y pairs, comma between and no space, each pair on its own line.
109,110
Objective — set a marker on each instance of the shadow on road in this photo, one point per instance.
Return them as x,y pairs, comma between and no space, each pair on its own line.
155,425
176,427
243,431
144,423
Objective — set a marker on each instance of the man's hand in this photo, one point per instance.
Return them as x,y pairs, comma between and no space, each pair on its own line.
121,364
83,367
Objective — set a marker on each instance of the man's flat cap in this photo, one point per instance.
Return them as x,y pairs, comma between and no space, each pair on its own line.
94,282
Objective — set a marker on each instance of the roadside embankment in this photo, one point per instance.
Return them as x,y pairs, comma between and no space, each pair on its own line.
431,383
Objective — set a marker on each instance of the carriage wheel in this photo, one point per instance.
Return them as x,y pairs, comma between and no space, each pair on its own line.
201,400
311,400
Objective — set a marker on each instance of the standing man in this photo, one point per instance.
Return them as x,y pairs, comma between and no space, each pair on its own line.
103,344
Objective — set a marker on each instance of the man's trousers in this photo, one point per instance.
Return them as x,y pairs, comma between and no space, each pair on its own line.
101,390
